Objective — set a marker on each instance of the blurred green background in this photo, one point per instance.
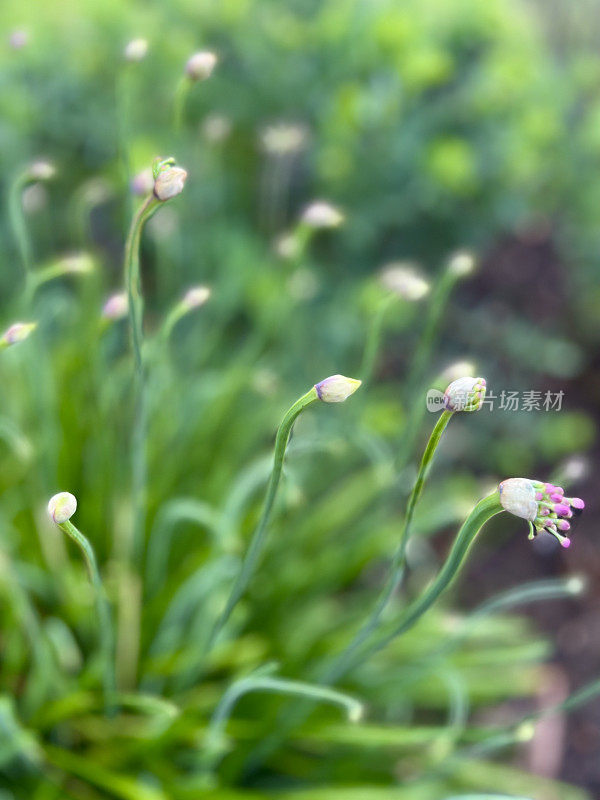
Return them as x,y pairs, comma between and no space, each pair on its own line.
434,125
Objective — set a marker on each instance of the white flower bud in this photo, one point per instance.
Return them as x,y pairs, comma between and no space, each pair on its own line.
18,332
142,183
517,496
62,507
216,128
77,264
116,307
465,394
336,388
169,182
199,67
136,50
283,139
18,39
195,297
462,264
321,214
41,170
405,281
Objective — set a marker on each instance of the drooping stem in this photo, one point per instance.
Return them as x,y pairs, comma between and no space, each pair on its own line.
215,737
397,566
105,627
17,221
485,509
257,542
373,341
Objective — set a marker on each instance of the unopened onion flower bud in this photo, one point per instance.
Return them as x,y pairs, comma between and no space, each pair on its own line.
215,128
404,281
18,39
169,179
336,388
116,307
61,507
136,50
321,214
142,183
462,264
195,297
41,170
465,394
18,332
199,67
543,505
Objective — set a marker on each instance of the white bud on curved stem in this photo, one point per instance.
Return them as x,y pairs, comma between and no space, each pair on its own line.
336,388
405,281
18,332
321,214
465,394
61,507
136,50
169,182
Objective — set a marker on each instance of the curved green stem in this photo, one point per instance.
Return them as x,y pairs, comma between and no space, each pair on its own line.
483,511
397,566
17,221
373,341
256,544
102,610
215,736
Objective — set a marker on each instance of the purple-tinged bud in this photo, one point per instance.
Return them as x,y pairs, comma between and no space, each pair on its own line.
142,183
169,180
195,297
116,307
533,500
336,388
18,332
321,214
199,67
136,50
18,39
465,394
61,507
577,503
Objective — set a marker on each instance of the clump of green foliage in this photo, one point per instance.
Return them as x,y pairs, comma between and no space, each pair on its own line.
374,110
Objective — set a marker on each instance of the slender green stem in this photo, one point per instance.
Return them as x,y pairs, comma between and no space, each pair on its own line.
373,342
398,561
215,737
17,221
102,610
483,511
132,276
256,544
181,93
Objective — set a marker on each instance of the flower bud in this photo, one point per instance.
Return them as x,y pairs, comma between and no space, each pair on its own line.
17,332
199,67
216,128
336,388
18,39
283,139
136,50
41,170
404,281
461,264
543,505
142,183
322,215
169,179
195,297
465,394
116,307
62,507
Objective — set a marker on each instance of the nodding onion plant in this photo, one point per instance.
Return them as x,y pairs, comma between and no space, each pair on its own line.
61,508
334,389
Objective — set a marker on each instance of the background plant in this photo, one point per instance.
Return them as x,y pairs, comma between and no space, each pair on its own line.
432,126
